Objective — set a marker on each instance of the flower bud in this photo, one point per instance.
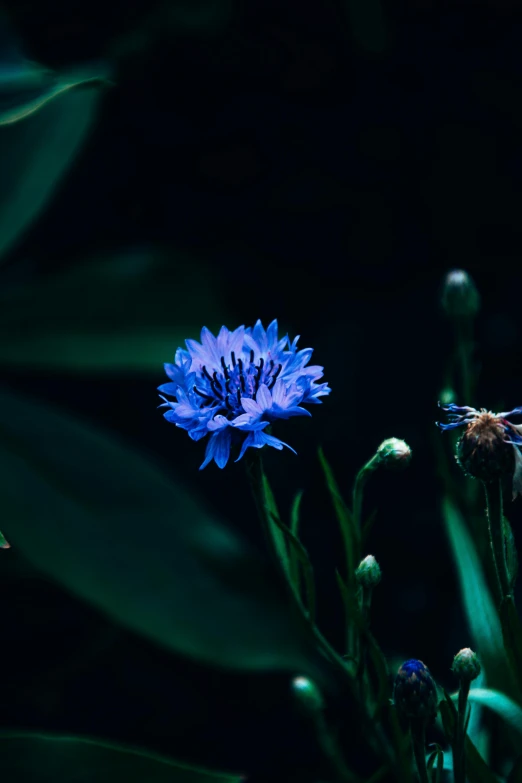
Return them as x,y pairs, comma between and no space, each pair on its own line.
368,572
415,693
394,453
460,298
308,694
466,665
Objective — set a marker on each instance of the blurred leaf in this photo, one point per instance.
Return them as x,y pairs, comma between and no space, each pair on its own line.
108,315
515,776
114,530
512,636
43,758
368,24
44,118
274,524
437,755
499,703
480,610
381,671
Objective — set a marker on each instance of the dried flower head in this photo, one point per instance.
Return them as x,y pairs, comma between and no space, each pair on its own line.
415,692
466,665
233,386
490,445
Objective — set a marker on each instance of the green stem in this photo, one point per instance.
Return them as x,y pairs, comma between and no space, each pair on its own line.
493,492
418,737
459,748
358,490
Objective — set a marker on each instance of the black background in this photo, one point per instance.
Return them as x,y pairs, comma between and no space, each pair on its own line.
330,171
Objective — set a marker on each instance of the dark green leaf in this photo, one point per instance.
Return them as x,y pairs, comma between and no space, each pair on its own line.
351,605
436,756
477,769
294,529
381,671
480,610
275,525
499,703
512,636
515,776
114,530
42,758
298,551
511,552
44,118
345,519
108,315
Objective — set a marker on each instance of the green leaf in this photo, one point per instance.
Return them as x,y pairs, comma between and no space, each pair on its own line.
515,776
275,525
477,769
111,314
478,604
381,671
511,552
298,550
345,519
46,758
437,755
293,555
44,120
499,703
114,530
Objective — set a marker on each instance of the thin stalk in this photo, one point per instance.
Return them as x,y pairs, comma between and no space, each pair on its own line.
459,748
358,489
418,738
493,492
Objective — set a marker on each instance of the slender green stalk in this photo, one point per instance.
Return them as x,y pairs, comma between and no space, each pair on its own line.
418,738
358,489
459,747
493,492
464,334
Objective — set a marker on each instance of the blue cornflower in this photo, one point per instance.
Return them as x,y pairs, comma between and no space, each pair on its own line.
233,386
490,445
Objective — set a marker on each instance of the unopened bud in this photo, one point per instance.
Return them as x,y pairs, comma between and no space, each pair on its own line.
368,572
394,453
466,665
415,693
460,298
308,694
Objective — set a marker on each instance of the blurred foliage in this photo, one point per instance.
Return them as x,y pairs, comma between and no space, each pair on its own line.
44,758
125,312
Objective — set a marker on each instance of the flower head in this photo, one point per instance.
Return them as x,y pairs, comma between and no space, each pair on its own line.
490,445
414,692
233,386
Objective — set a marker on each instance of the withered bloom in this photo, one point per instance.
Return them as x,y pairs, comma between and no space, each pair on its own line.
490,445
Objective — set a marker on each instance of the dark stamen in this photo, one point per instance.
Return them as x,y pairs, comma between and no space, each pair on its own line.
270,366
202,394
227,403
241,376
216,386
233,356
258,375
252,357
274,376
225,368
206,373
238,397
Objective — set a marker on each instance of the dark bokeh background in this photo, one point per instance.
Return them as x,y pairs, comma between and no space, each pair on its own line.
328,163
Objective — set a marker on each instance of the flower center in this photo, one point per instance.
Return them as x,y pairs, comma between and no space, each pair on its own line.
223,386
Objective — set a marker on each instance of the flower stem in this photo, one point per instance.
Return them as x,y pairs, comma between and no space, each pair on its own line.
493,492
358,489
418,738
459,747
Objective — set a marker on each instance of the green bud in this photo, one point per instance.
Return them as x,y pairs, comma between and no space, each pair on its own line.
307,694
368,572
447,396
460,298
394,453
466,665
